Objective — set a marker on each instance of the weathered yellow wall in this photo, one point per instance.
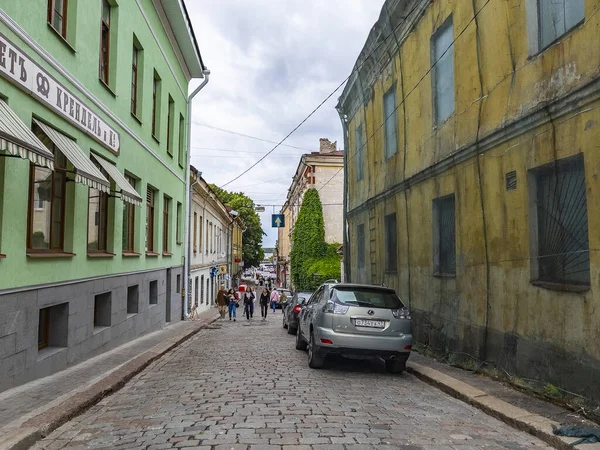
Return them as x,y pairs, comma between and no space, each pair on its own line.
515,85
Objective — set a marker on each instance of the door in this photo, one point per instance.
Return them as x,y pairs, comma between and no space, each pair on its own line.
168,302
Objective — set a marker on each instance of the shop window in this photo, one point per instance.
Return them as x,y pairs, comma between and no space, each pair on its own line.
389,116
391,243
560,224
153,293
102,310
442,65
133,299
444,236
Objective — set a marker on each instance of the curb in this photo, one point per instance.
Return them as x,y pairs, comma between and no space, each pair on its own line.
536,425
41,425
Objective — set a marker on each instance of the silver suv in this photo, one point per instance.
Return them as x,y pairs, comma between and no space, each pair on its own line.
356,321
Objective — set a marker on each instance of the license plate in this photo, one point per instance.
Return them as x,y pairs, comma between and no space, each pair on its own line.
369,323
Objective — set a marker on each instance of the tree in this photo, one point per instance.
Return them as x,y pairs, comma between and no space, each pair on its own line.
312,260
252,251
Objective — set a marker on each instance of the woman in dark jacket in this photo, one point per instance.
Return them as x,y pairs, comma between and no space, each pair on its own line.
249,303
264,303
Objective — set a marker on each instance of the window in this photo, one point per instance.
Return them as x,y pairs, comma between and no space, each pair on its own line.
155,105
153,293
389,116
133,299
182,152
196,286
98,219
149,219
561,222
170,112
134,81
129,221
391,243
556,17
442,64
47,198
195,231
208,295
166,207
178,229
57,16
202,290
200,234
53,326
102,310
358,142
360,245
179,284
444,236
105,42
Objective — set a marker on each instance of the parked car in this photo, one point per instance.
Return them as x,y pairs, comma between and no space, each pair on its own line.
288,296
356,321
292,309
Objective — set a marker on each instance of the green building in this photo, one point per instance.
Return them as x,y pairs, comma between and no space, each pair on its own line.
93,137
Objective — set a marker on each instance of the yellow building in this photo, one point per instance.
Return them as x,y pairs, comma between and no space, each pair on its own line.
472,133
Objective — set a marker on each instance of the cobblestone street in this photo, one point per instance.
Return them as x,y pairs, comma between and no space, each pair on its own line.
242,385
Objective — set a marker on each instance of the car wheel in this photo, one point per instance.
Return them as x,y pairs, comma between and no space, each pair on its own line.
393,366
292,330
315,358
300,342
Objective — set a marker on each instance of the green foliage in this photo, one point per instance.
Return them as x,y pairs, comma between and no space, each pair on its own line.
312,260
252,252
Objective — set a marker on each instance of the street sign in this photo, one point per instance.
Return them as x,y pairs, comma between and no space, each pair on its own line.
277,221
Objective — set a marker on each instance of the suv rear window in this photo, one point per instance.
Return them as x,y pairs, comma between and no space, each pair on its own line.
367,297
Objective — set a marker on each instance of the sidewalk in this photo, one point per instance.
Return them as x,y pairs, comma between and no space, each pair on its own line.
527,413
32,410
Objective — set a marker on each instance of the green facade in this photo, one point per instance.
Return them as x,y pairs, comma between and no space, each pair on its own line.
78,55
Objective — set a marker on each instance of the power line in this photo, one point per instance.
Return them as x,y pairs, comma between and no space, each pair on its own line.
409,93
224,130
235,151
324,101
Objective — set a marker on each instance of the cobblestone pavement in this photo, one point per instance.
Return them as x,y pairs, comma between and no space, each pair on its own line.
242,385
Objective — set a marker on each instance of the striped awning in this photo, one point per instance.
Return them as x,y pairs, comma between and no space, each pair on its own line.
18,140
85,171
128,192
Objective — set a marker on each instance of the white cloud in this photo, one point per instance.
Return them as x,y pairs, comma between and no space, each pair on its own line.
271,62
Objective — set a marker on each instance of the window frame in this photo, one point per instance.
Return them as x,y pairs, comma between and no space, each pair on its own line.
51,14
104,66
358,139
156,94
195,238
392,120
150,218
166,219
182,139
178,228
438,237
135,60
389,268
129,212
448,24
170,112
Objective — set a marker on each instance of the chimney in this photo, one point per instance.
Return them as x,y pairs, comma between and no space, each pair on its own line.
326,146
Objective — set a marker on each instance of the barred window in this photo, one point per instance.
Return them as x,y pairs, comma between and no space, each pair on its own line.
562,223
444,236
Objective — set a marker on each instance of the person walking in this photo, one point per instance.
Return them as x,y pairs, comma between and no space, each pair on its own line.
232,305
274,299
264,303
222,301
249,303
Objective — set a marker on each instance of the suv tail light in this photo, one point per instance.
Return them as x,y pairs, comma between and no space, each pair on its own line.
402,313
297,309
335,308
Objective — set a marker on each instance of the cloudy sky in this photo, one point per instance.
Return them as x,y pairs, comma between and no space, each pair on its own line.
272,62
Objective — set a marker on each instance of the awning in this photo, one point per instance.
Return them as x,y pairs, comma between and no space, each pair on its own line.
18,140
128,193
85,170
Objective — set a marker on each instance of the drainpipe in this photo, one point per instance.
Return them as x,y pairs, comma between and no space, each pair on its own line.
346,244
188,190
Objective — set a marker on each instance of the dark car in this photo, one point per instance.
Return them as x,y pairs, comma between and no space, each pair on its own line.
292,309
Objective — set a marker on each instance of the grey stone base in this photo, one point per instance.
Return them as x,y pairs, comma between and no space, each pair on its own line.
518,355
73,336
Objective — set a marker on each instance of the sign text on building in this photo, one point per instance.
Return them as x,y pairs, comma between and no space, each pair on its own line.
18,68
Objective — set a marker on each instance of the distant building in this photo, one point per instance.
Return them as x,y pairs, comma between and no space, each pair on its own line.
324,171
93,109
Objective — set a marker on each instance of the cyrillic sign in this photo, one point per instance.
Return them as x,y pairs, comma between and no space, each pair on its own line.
18,68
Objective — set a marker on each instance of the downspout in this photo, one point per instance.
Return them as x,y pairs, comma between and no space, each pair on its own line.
188,189
346,244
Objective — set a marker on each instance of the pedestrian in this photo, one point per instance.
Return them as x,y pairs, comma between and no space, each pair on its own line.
222,301
232,306
249,303
264,303
274,299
